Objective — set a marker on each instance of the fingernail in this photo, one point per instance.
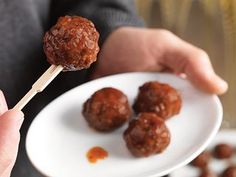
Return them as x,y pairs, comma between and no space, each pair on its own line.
3,106
20,119
18,116
222,85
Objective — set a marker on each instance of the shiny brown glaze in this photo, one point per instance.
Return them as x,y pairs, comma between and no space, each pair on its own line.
147,135
207,173
223,151
72,42
96,153
107,109
158,98
229,172
202,160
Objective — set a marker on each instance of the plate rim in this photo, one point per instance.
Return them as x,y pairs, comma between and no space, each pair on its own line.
150,173
221,133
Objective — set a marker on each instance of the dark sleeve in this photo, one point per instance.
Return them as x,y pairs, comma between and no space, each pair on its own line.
107,15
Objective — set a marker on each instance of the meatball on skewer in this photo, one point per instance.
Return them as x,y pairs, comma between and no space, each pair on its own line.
71,44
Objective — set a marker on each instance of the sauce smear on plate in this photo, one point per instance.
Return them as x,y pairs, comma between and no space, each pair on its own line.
96,153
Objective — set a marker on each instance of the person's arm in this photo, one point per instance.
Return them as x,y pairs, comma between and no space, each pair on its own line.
107,15
10,123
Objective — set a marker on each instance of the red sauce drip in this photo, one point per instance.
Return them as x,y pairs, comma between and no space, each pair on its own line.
96,153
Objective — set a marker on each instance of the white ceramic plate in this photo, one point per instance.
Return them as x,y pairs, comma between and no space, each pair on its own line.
59,136
225,136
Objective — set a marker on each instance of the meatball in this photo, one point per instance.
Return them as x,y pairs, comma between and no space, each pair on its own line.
147,135
107,109
158,98
202,160
223,151
207,173
229,172
72,43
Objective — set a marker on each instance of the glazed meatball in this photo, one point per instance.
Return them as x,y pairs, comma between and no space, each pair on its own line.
202,160
223,151
107,109
72,43
147,135
229,172
207,173
158,98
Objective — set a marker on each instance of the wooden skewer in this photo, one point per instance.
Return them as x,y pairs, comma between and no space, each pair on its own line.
39,85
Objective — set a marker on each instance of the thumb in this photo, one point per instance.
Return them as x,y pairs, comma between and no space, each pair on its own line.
10,123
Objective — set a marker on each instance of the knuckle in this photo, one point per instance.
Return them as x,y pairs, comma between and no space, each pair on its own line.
165,33
202,55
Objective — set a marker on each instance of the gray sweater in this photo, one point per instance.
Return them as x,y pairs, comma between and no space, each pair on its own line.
22,61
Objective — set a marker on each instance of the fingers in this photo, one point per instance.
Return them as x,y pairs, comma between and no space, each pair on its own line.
200,71
182,57
10,123
3,104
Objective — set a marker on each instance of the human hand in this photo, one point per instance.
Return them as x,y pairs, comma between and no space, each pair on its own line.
136,49
10,123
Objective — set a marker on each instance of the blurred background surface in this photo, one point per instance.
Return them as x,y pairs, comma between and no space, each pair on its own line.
208,24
